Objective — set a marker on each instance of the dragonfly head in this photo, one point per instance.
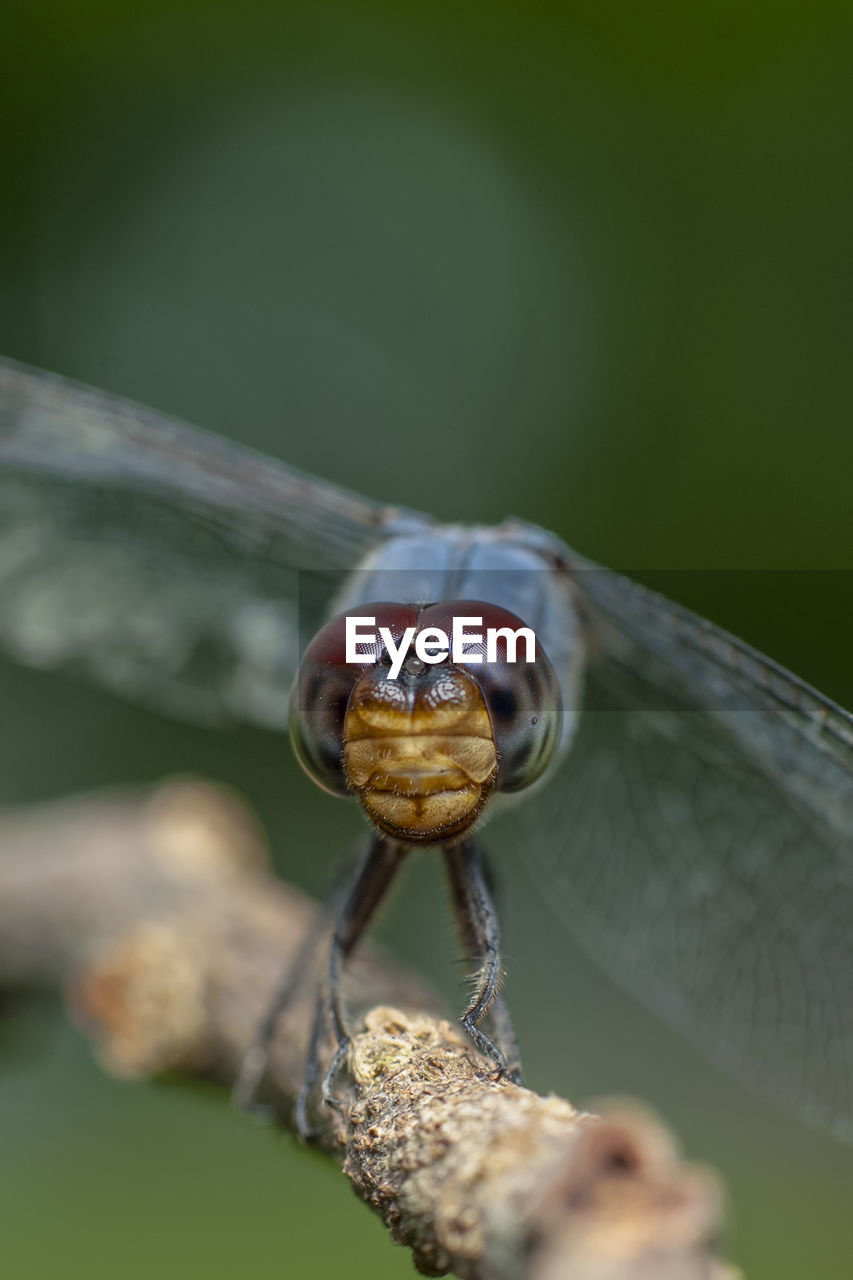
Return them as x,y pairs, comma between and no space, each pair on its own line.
419,751
423,740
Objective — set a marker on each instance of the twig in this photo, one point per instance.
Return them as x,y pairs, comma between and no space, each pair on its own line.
159,913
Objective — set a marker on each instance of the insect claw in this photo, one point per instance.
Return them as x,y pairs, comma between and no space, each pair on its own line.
259,1112
249,1078
305,1131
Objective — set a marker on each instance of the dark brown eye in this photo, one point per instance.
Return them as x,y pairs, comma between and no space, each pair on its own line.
503,706
324,683
518,683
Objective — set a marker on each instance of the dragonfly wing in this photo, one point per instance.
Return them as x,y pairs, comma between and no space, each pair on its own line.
697,839
164,563
800,737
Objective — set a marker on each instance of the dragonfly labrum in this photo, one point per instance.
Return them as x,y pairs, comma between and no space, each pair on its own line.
686,803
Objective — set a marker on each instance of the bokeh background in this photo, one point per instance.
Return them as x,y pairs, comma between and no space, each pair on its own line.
587,264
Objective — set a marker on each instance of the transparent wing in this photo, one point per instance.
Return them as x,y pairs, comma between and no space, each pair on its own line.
801,738
698,839
164,563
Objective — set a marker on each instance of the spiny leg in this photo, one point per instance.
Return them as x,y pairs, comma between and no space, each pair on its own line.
256,1059
499,1013
367,888
469,880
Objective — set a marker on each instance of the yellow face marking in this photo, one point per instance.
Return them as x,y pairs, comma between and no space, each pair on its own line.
421,757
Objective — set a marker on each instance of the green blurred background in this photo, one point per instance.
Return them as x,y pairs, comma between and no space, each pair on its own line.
587,264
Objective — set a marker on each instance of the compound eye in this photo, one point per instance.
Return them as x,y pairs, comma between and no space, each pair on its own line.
518,683
325,681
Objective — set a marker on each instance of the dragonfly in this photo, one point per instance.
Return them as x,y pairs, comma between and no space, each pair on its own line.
685,802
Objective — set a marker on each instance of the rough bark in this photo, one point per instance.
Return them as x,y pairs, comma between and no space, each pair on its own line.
159,915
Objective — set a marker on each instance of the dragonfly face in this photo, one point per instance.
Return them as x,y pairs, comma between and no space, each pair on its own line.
693,825
423,749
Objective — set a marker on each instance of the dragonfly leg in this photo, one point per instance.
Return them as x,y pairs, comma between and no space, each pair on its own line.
469,879
499,1013
254,1065
366,890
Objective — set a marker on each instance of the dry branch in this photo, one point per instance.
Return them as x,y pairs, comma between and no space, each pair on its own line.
160,916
